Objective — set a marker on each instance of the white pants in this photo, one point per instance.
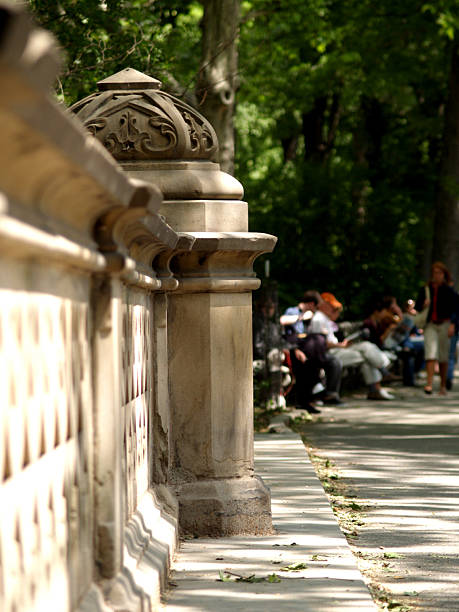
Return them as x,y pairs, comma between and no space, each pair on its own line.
368,355
436,341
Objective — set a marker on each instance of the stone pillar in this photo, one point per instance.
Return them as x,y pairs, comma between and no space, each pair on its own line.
159,139
211,395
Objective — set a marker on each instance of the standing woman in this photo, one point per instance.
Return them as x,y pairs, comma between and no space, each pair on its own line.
439,328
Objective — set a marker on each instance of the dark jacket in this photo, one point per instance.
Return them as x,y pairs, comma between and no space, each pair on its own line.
446,302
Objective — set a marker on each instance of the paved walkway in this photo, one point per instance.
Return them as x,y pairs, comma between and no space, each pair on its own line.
307,533
402,460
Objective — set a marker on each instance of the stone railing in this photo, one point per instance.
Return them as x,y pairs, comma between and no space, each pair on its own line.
125,356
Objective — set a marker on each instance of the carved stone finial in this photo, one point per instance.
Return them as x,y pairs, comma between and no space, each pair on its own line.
136,121
128,79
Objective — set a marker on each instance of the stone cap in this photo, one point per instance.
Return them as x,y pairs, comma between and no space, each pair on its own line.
135,121
128,79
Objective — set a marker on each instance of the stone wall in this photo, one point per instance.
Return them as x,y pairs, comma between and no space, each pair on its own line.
124,341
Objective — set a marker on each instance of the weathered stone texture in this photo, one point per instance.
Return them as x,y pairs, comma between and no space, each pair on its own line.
125,338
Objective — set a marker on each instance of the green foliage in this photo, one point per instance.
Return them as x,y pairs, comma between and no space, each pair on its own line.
357,90
101,37
392,555
294,567
339,122
222,577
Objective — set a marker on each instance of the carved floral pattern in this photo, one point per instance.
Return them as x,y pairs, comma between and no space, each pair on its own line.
147,125
127,137
95,124
129,142
166,129
201,137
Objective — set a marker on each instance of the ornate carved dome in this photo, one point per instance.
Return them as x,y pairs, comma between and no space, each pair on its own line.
136,121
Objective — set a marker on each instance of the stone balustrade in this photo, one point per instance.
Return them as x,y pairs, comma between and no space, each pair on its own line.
125,339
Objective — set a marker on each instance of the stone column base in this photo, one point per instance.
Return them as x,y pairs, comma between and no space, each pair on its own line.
225,507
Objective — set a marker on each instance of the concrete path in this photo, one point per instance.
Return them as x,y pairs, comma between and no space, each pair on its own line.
402,460
307,533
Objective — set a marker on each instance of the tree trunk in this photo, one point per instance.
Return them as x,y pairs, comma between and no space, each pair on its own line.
320,126
218,79
313,130
446,229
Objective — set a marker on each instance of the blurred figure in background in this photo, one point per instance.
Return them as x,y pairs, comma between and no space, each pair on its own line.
300,318
307,351
441,301
271,374
364,353
453,345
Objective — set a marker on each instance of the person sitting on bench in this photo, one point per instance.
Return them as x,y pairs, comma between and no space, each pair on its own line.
371,359
296,321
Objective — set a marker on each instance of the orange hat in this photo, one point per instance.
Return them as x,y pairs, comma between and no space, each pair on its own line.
330,298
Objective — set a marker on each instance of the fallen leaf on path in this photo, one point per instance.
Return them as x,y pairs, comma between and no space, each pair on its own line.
294,567
318,558
227,576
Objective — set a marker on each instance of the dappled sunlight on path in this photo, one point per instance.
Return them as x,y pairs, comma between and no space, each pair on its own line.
307,536
401,459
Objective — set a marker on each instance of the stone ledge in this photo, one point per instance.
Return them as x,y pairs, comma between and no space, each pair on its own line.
217,285
233,241
221,262
19,240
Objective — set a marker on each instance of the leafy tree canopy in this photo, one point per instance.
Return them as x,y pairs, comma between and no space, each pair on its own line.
101,37
339,121
340,135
